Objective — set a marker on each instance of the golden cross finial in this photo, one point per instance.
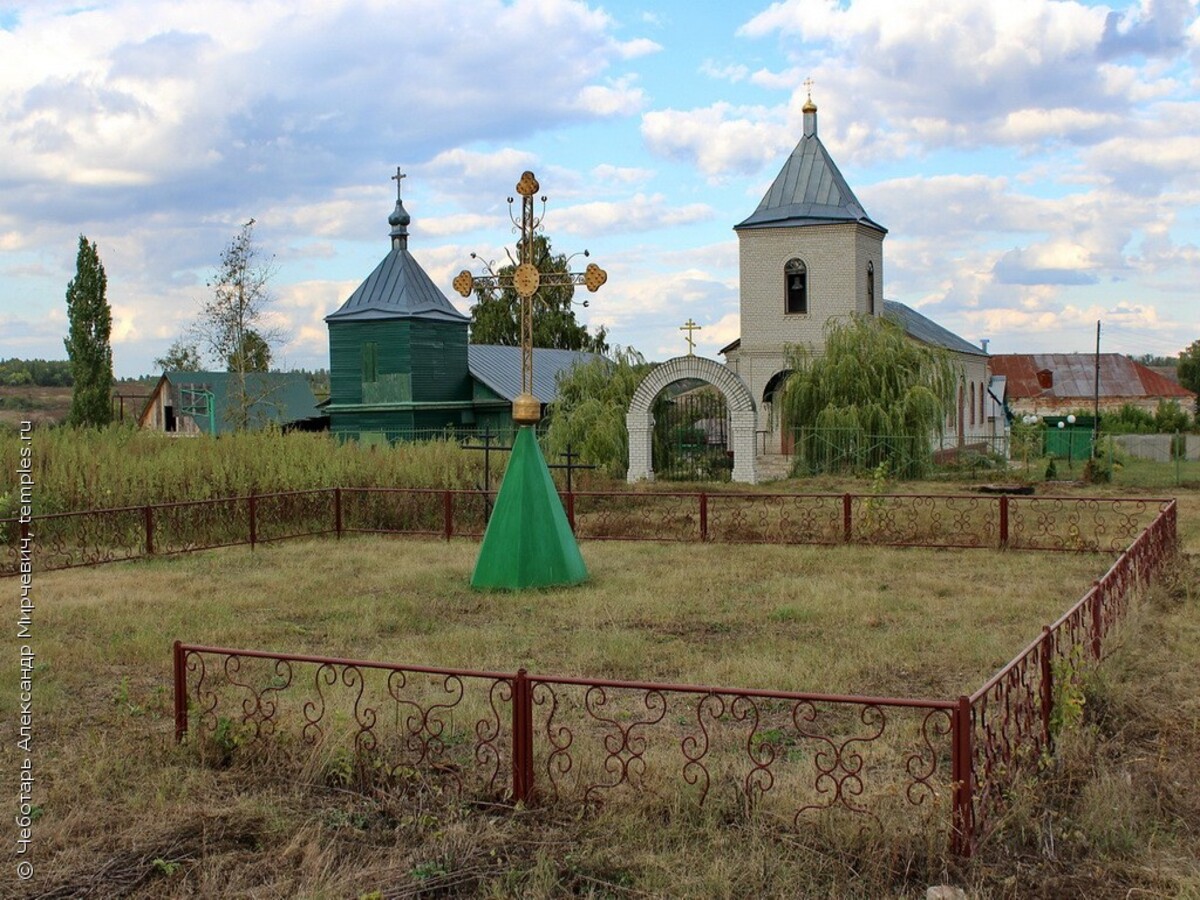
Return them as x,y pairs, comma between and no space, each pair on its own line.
689,326
808,85
525,280
398,178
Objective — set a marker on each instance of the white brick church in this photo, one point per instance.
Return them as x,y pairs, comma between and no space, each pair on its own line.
810,253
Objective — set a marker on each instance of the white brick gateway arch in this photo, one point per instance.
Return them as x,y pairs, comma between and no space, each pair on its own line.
743,417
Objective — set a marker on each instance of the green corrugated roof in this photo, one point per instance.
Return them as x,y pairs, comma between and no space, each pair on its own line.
398,289
279,397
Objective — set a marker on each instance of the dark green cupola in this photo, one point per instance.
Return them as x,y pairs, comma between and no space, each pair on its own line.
397,350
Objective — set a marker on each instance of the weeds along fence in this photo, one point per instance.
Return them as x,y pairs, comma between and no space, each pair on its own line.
922,766
92,537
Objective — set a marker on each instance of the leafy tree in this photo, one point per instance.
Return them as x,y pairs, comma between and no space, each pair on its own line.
181,356
1170,417
233,321
1189,370
496,316
1153,359
872,380
1129,419
589,414
88,340
254,355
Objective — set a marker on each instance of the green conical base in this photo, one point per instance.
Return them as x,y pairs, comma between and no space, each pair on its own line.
528,542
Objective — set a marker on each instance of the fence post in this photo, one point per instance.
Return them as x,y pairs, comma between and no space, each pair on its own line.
522,739
448,513
1047,651
703,516
253,504
571,510
1004,521
962,765
148,519
337,512
1097,617
847,523
181,712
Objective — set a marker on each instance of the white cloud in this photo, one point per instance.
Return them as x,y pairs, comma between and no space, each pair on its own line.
638,213
731,72
637,47
719,139
617,98
621,175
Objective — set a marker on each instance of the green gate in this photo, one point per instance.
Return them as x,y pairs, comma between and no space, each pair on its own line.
692,434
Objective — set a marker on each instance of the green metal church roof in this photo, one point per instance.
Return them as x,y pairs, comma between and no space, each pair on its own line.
398,289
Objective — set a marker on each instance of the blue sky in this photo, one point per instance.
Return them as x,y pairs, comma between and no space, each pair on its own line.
1035,161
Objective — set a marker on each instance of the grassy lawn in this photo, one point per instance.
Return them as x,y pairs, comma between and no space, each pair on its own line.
124,811
903,622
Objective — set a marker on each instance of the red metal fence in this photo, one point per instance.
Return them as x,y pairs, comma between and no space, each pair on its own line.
528,737
66,540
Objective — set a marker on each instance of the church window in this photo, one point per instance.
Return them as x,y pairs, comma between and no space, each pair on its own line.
870,288
795,277
972,403
370,362
982,415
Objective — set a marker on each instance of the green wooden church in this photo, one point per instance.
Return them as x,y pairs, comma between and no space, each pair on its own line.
401,366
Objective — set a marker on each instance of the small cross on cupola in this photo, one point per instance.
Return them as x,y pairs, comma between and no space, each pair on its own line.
810,110
399,219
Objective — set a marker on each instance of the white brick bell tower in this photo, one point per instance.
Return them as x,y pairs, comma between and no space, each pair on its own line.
809,253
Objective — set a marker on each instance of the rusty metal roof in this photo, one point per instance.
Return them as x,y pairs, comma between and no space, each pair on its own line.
1073,375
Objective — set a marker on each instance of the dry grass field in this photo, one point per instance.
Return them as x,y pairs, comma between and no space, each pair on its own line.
123,811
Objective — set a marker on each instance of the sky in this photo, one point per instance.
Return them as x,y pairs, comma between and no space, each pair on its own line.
1036,162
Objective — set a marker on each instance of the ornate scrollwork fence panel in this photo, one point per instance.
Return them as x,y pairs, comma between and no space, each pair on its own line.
67,540
1076,523
10,541
796,755
776,518
199,525
394,511
638,515
929,520
1015,715
292,514
346,721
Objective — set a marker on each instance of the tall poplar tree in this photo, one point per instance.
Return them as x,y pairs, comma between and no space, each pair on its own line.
88,341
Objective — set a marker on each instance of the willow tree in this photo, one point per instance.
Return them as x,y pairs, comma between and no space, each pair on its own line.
589,413
874,395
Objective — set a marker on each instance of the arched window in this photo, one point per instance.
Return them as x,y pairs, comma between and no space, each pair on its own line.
795,279
870,288
982,414
972,402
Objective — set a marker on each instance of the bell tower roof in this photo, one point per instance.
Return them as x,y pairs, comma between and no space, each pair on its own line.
809,189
